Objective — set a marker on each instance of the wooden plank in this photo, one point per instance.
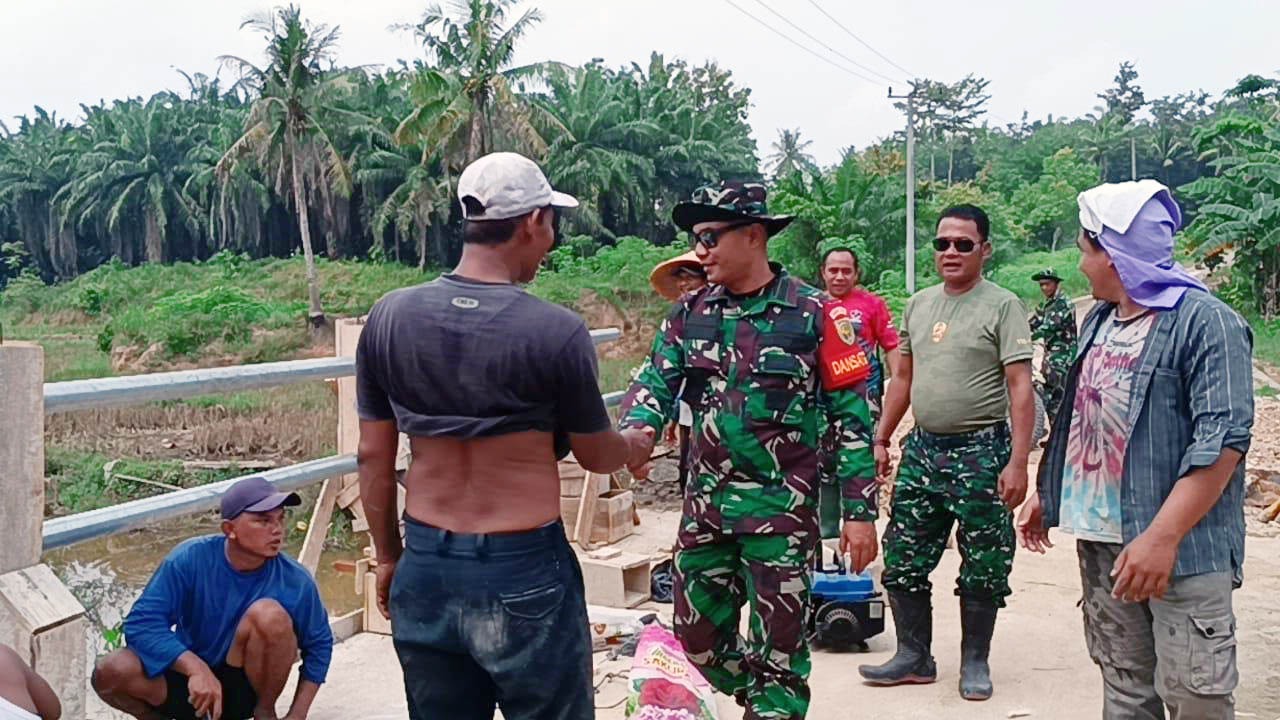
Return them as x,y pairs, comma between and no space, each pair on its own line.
21,454
61,657
36,600
349,495
346,337
344,627
621,581
318,529
374,622
587,510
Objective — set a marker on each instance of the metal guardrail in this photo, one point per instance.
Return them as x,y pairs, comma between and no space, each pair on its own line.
81,527
72,529
140,389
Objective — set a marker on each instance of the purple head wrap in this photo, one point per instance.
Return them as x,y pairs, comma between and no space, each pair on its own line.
1143,252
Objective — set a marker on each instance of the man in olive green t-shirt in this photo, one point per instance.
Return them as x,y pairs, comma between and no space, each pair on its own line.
971,343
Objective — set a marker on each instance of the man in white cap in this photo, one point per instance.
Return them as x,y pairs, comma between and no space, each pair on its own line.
1145,466
492,385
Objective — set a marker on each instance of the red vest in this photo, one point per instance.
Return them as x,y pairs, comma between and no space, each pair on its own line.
844,362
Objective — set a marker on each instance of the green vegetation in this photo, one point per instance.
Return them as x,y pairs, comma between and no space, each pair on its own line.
78,481
1266,341
228,305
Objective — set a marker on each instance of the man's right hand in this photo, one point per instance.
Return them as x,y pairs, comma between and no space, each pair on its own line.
640,449
1031,530
204,692
383,574
858,541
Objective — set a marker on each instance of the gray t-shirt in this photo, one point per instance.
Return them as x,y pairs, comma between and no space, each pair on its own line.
465,359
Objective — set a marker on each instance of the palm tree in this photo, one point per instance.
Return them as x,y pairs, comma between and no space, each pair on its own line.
234,207
789,154
466,101
284,135
37,164
1105,131
598,150
134,175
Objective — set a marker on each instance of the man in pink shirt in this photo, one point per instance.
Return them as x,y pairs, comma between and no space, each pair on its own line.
870,316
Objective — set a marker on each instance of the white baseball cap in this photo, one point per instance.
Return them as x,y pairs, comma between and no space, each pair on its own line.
508,185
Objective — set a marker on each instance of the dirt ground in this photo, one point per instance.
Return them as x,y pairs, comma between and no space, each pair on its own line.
1039,662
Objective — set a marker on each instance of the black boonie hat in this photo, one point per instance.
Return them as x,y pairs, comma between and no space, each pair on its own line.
731,201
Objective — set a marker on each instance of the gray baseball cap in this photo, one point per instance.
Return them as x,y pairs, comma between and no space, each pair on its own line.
507,185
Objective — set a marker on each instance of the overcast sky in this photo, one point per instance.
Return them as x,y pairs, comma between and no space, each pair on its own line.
1048,56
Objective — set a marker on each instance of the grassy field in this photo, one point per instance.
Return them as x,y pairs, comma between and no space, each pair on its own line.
1266,341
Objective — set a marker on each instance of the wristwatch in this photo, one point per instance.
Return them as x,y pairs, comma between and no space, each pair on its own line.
881,442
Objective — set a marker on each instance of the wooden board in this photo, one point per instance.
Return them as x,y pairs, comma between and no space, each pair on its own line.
373,620
60,657
621,582
21,454
36,599
587,509
344,627
349,494
318,528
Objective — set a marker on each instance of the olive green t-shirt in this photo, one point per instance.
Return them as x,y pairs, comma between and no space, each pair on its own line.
959,347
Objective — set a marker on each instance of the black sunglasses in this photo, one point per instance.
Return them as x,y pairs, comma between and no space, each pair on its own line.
961,246
711,238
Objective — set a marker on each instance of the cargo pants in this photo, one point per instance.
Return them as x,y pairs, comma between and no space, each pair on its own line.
1177,653
715,576
943,480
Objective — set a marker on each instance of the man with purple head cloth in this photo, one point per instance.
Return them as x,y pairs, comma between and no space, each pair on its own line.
1147,468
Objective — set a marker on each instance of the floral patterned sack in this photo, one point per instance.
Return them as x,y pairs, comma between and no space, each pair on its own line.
664,684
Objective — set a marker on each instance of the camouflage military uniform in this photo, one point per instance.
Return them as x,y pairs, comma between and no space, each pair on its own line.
1054,322
749,526
944,477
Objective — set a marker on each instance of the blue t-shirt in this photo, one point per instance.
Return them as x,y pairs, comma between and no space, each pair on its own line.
196,600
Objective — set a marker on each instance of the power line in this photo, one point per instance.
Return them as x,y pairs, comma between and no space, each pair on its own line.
793,41
864,42
806,33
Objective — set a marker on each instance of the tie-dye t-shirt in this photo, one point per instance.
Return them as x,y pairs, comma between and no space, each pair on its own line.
1100,431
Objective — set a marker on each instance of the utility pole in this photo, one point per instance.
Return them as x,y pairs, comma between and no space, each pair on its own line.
1133,158
911,186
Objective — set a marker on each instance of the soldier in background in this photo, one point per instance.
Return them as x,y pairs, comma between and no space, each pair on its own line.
1054,323
747,347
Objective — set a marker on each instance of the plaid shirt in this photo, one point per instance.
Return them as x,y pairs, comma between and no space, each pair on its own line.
1192,396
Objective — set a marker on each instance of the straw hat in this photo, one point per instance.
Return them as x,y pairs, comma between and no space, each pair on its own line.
663,277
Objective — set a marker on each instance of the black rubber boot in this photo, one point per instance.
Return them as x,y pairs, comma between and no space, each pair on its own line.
977,623
912,663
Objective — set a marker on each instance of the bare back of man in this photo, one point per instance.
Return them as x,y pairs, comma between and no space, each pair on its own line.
505,483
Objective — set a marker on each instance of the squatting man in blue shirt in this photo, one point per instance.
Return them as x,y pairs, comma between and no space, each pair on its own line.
217,630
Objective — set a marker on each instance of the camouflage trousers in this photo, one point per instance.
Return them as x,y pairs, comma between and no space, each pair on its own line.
1177,653
947,479
768,671
1055,371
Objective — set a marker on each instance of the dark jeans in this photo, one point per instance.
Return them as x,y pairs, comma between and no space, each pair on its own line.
485,620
